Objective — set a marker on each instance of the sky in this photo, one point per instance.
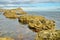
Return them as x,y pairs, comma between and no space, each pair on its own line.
32,5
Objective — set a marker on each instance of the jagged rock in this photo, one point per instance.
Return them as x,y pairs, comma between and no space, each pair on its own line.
24,19
46,35
44,28
40,18
35,26
39,26
58,34
37,23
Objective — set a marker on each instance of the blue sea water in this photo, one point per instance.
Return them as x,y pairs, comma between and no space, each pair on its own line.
7,26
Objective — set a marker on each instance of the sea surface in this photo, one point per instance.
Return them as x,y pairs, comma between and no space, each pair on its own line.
11,27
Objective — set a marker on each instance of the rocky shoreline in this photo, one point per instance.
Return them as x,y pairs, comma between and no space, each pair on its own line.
44,27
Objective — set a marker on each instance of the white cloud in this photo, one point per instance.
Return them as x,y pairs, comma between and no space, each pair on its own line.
27,1
4,3
14,1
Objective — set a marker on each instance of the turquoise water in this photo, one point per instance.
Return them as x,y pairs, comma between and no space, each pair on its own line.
7,26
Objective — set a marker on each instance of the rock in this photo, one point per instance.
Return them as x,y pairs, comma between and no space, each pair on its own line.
50,24
10,14
24,19
58,36
40,18
14,13
20,11
37,25
1,10
46,35
6,38
44,28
